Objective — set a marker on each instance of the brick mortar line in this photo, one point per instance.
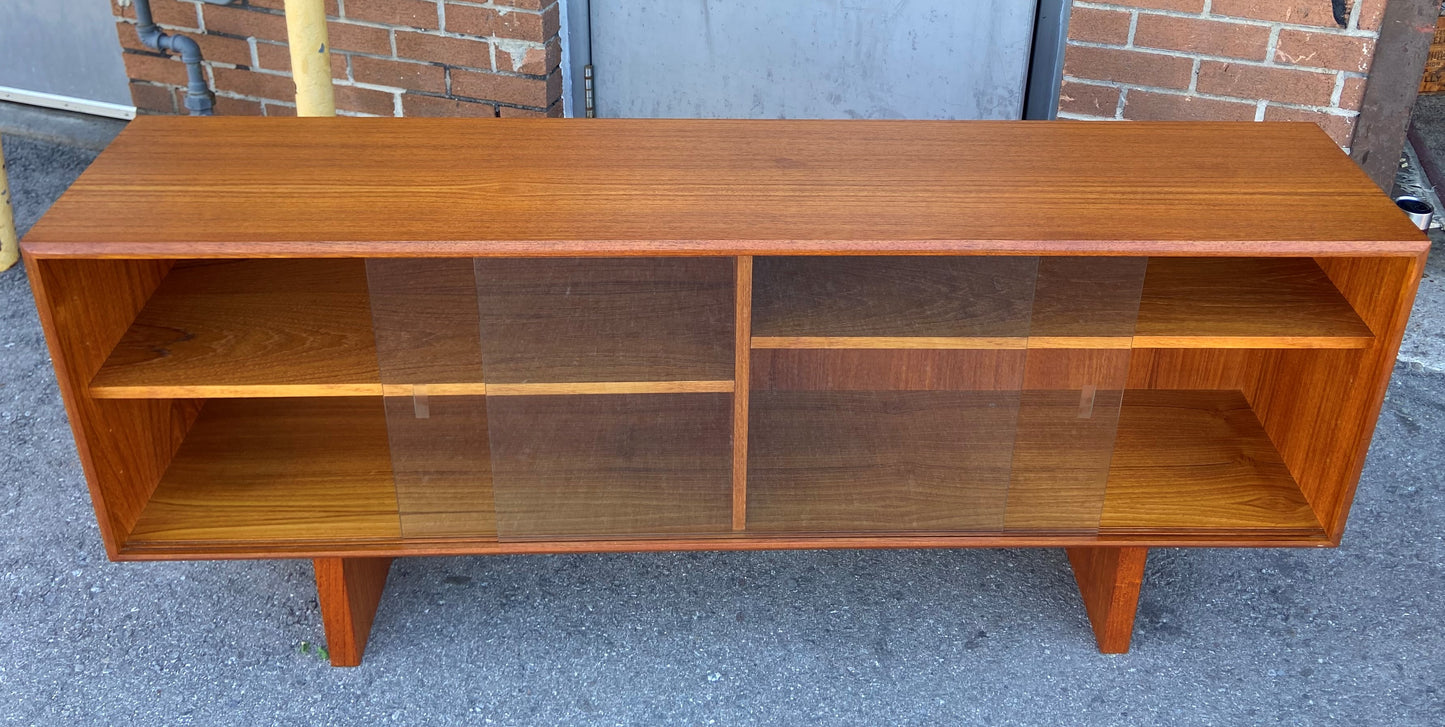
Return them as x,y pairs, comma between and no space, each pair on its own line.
1271,46
1349,30
1210,57
360,23
396,90
1330,110
502,9
435,64
1071,116
491,40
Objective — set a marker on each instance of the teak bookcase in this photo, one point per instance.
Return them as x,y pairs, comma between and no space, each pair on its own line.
350,340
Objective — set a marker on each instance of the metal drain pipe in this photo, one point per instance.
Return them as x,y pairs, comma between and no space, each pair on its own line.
199,99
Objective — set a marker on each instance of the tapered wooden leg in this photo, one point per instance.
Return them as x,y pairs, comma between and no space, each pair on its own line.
349,590
1109,580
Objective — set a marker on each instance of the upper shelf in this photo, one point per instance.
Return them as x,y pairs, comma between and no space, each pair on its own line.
1244,303
1007,303
249,328
566,187
305,327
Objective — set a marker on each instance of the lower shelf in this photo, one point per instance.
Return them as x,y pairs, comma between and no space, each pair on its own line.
313,476
267,470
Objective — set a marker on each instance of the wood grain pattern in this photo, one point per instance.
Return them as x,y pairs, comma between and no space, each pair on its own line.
287,327
1063,446
124,446
941,370
1075,303
425,321
1197,461
894,342
549,389
349,591
565,187
317,473
248,328
983,298
586,320
270,470
1238,369
1321,406
611,387
1088,298
742,367
304,327
887,370
850,462
1054,369
465,546
1245,303
937,461
620,465
441,464
1109,580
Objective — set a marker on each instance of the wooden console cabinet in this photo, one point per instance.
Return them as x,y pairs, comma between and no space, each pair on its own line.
352,340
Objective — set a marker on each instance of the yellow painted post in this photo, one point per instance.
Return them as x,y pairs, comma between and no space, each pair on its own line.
9,241
310,57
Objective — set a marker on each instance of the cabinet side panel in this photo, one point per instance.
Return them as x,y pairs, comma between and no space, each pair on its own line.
1319,407
124,445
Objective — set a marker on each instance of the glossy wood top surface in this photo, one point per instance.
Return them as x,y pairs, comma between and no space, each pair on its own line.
241,187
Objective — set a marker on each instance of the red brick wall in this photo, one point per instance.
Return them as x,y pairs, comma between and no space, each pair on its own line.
1126,59
388,57
1261,60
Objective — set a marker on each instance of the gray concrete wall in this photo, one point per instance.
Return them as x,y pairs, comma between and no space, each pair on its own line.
62,47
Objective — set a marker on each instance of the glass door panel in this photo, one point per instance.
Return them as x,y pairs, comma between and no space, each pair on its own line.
609,395
428,350
885,392
1079,351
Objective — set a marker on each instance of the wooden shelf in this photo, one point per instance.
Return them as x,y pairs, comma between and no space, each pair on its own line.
1198,462
828,461
226,328
964,303
1184,462
617,465
269,470
318,470
1244,303
304,328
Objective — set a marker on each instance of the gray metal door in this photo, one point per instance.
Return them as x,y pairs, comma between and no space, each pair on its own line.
52,51
869,59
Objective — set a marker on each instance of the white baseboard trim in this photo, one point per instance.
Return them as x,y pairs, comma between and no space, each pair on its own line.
67,103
